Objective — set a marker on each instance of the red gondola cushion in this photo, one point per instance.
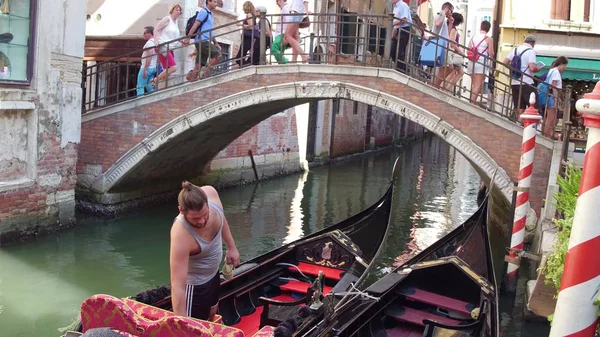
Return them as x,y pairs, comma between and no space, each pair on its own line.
154,313
108,311
313,269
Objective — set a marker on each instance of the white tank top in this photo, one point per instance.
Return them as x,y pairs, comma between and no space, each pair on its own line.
171,32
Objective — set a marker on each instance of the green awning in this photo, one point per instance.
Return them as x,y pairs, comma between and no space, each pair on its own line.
577,69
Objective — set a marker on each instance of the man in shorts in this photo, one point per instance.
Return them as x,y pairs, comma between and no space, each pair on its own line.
197,237
523,87
440,27
206,45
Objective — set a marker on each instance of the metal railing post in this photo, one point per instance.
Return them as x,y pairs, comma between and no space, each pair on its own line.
263,38
311,51
388,41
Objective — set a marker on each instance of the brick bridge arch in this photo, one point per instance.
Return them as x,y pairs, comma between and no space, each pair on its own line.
145,146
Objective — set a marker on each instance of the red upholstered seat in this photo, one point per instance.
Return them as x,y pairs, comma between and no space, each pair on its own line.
108,311
313,269
154,313
266,331
301,287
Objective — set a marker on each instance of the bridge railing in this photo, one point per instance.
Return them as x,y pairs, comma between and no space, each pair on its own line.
347,38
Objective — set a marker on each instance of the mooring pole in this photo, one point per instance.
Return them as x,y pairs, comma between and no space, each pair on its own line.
529,117
576,314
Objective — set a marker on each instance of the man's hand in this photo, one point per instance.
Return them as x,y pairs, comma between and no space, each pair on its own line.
145,74
233,257
185,42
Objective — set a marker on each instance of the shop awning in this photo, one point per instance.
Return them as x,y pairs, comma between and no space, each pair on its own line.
577,69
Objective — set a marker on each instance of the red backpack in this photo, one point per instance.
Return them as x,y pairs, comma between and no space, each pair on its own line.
473,54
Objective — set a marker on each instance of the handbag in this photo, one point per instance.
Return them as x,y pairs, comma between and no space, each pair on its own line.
305,22
455,58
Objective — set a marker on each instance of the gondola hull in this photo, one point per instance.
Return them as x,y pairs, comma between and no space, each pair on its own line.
448,287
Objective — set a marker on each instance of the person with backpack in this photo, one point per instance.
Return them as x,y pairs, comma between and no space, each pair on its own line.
549,94
522,65
206,44
481,51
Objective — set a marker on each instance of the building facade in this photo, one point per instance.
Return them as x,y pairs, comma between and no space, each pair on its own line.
41,50
562,28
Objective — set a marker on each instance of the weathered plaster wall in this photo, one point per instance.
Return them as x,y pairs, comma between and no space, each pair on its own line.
40,128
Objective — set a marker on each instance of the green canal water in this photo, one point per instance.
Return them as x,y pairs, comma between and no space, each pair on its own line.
42,283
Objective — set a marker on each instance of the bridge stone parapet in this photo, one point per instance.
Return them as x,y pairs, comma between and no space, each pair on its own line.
146,145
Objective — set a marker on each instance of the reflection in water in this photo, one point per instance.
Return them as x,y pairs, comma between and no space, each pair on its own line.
44,283
295,227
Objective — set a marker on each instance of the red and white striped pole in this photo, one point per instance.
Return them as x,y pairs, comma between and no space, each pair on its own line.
576,314
529,117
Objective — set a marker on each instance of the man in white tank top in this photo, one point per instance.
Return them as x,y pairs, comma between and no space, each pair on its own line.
196,251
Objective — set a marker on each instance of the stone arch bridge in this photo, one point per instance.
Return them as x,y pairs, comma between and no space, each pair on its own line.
147,145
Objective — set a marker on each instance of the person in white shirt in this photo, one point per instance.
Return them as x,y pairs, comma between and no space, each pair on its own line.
440,27
292,27
148,69
523,88
400,34
167,30
554,78
480,68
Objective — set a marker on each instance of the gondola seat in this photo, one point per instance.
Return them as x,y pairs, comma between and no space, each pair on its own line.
108,311
433,328
154,313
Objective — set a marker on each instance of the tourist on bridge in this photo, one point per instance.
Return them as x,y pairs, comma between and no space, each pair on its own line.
400,34
455,53
550,107
279,44
167,30
148,69
480,66
268,36
292,29
206,44
522,83
440,27
197,236
250,34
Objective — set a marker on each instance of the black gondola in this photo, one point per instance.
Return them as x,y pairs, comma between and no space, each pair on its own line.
264,290
449,289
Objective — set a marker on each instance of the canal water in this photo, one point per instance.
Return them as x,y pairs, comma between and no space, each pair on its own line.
43,283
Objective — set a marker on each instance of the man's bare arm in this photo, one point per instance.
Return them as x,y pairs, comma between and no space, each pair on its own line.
179,256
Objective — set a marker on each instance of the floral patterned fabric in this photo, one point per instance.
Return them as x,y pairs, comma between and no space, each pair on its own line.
154,313
108,311
266,331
